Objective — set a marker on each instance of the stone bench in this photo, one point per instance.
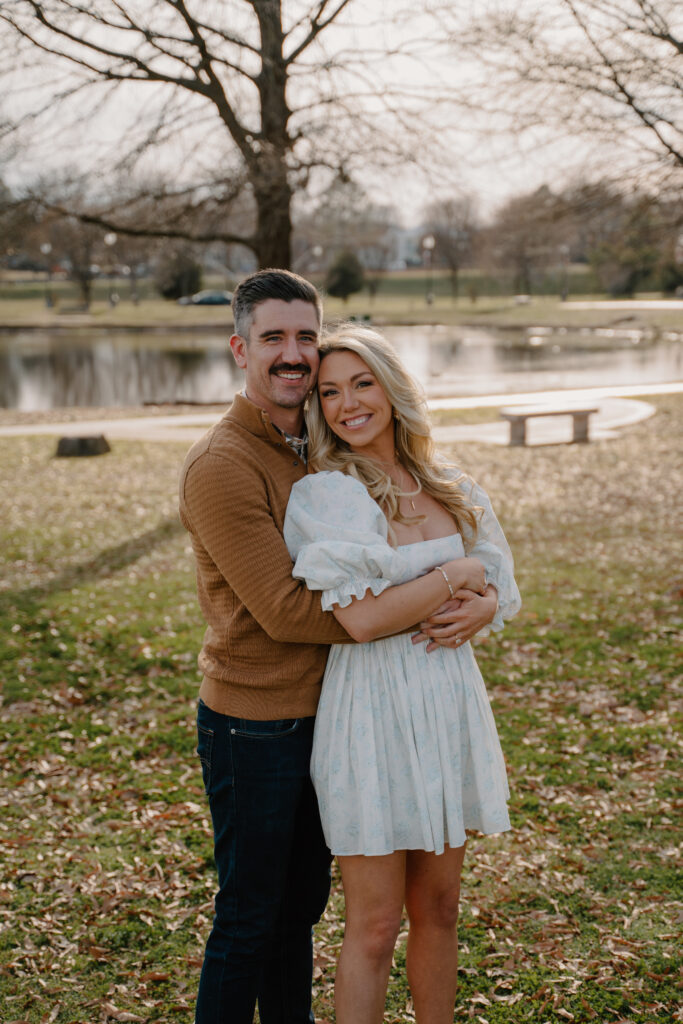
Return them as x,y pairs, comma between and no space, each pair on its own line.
518,415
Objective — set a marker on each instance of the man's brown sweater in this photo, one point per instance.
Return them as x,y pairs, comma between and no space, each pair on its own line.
267,639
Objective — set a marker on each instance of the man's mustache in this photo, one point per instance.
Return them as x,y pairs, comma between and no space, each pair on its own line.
290,368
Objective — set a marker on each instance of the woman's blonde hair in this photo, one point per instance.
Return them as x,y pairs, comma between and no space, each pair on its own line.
412,434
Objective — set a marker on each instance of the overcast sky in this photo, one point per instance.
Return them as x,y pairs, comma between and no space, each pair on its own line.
492,165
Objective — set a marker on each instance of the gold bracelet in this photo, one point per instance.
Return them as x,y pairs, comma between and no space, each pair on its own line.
441,569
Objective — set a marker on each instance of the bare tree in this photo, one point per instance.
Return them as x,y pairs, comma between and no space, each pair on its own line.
15,220
346,220
606,70
626,239
453,224
250,93
523,237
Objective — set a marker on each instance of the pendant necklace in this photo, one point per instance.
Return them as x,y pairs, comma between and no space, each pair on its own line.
410,494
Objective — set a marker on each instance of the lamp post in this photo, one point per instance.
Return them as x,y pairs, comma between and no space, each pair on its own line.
428,243
109,241
46,249
564,265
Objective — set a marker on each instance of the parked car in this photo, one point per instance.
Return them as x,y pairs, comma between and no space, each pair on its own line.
206,298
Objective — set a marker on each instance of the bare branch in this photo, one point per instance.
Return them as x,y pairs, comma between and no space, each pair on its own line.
226,83
111,224
319,21
605,70
610,66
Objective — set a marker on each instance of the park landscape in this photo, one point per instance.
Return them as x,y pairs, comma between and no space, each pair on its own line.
513,166
107,873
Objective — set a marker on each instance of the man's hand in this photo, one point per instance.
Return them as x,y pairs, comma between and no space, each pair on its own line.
458,620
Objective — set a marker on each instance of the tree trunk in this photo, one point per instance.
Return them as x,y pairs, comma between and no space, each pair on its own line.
273,234
272,189
84,283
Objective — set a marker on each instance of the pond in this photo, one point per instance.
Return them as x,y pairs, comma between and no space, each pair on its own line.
42,370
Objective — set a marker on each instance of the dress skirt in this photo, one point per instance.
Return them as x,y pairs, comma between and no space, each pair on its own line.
406,754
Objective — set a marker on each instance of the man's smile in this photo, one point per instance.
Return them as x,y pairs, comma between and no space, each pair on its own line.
290,372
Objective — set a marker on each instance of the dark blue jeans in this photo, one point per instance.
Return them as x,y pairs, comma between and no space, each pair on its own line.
273,869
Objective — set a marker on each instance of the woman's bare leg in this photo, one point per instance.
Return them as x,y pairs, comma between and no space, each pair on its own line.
432,898
373,891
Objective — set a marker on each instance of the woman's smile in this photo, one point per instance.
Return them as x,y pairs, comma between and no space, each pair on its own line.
357,421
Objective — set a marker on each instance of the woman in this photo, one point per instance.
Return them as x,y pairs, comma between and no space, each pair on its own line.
406,755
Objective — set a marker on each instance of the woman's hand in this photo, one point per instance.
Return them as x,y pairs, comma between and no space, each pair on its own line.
457,621
466,574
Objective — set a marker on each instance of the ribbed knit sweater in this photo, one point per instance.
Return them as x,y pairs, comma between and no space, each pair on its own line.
267,640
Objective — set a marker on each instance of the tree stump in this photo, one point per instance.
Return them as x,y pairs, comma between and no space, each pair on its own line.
68,446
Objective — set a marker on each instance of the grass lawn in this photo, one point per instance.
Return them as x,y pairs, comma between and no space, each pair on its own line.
107,879
390,307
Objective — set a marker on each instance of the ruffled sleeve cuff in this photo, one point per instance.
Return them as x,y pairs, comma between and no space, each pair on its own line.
355,588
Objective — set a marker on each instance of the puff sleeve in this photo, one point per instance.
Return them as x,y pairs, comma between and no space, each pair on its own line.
337,537
492,549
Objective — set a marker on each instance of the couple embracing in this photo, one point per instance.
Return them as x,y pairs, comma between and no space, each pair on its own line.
342,568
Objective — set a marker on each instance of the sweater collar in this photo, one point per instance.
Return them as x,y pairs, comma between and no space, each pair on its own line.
254,419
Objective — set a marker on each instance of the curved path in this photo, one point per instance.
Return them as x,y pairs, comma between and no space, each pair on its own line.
616,408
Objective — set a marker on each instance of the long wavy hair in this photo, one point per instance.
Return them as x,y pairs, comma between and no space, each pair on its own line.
413,441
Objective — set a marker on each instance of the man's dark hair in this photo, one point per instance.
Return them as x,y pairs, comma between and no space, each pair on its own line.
270,284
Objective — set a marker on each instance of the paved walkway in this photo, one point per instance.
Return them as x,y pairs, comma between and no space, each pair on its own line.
616,409
624,304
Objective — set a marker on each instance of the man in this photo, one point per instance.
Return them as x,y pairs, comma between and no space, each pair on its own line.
263,659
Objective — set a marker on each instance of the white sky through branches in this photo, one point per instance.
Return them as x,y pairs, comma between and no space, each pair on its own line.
473,149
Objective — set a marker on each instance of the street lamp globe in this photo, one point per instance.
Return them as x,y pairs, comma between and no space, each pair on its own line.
428,243
109,240
46,249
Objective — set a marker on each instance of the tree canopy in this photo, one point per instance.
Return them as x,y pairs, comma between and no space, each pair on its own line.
210,120
606,71
225,111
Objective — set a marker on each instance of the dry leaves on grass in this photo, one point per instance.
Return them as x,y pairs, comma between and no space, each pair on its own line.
107,880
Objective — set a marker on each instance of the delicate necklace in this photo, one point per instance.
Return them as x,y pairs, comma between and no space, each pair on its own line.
410,494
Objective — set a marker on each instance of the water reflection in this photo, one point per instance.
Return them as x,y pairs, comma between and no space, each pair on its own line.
470,361
39,370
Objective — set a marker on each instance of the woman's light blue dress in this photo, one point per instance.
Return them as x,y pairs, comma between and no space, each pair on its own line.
406,755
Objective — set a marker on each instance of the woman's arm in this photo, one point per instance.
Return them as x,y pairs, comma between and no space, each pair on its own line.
399,607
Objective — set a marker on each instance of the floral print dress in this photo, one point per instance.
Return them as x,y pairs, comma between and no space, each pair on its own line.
406,753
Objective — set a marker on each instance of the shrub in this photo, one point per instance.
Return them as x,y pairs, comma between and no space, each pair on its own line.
177,273
345,276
